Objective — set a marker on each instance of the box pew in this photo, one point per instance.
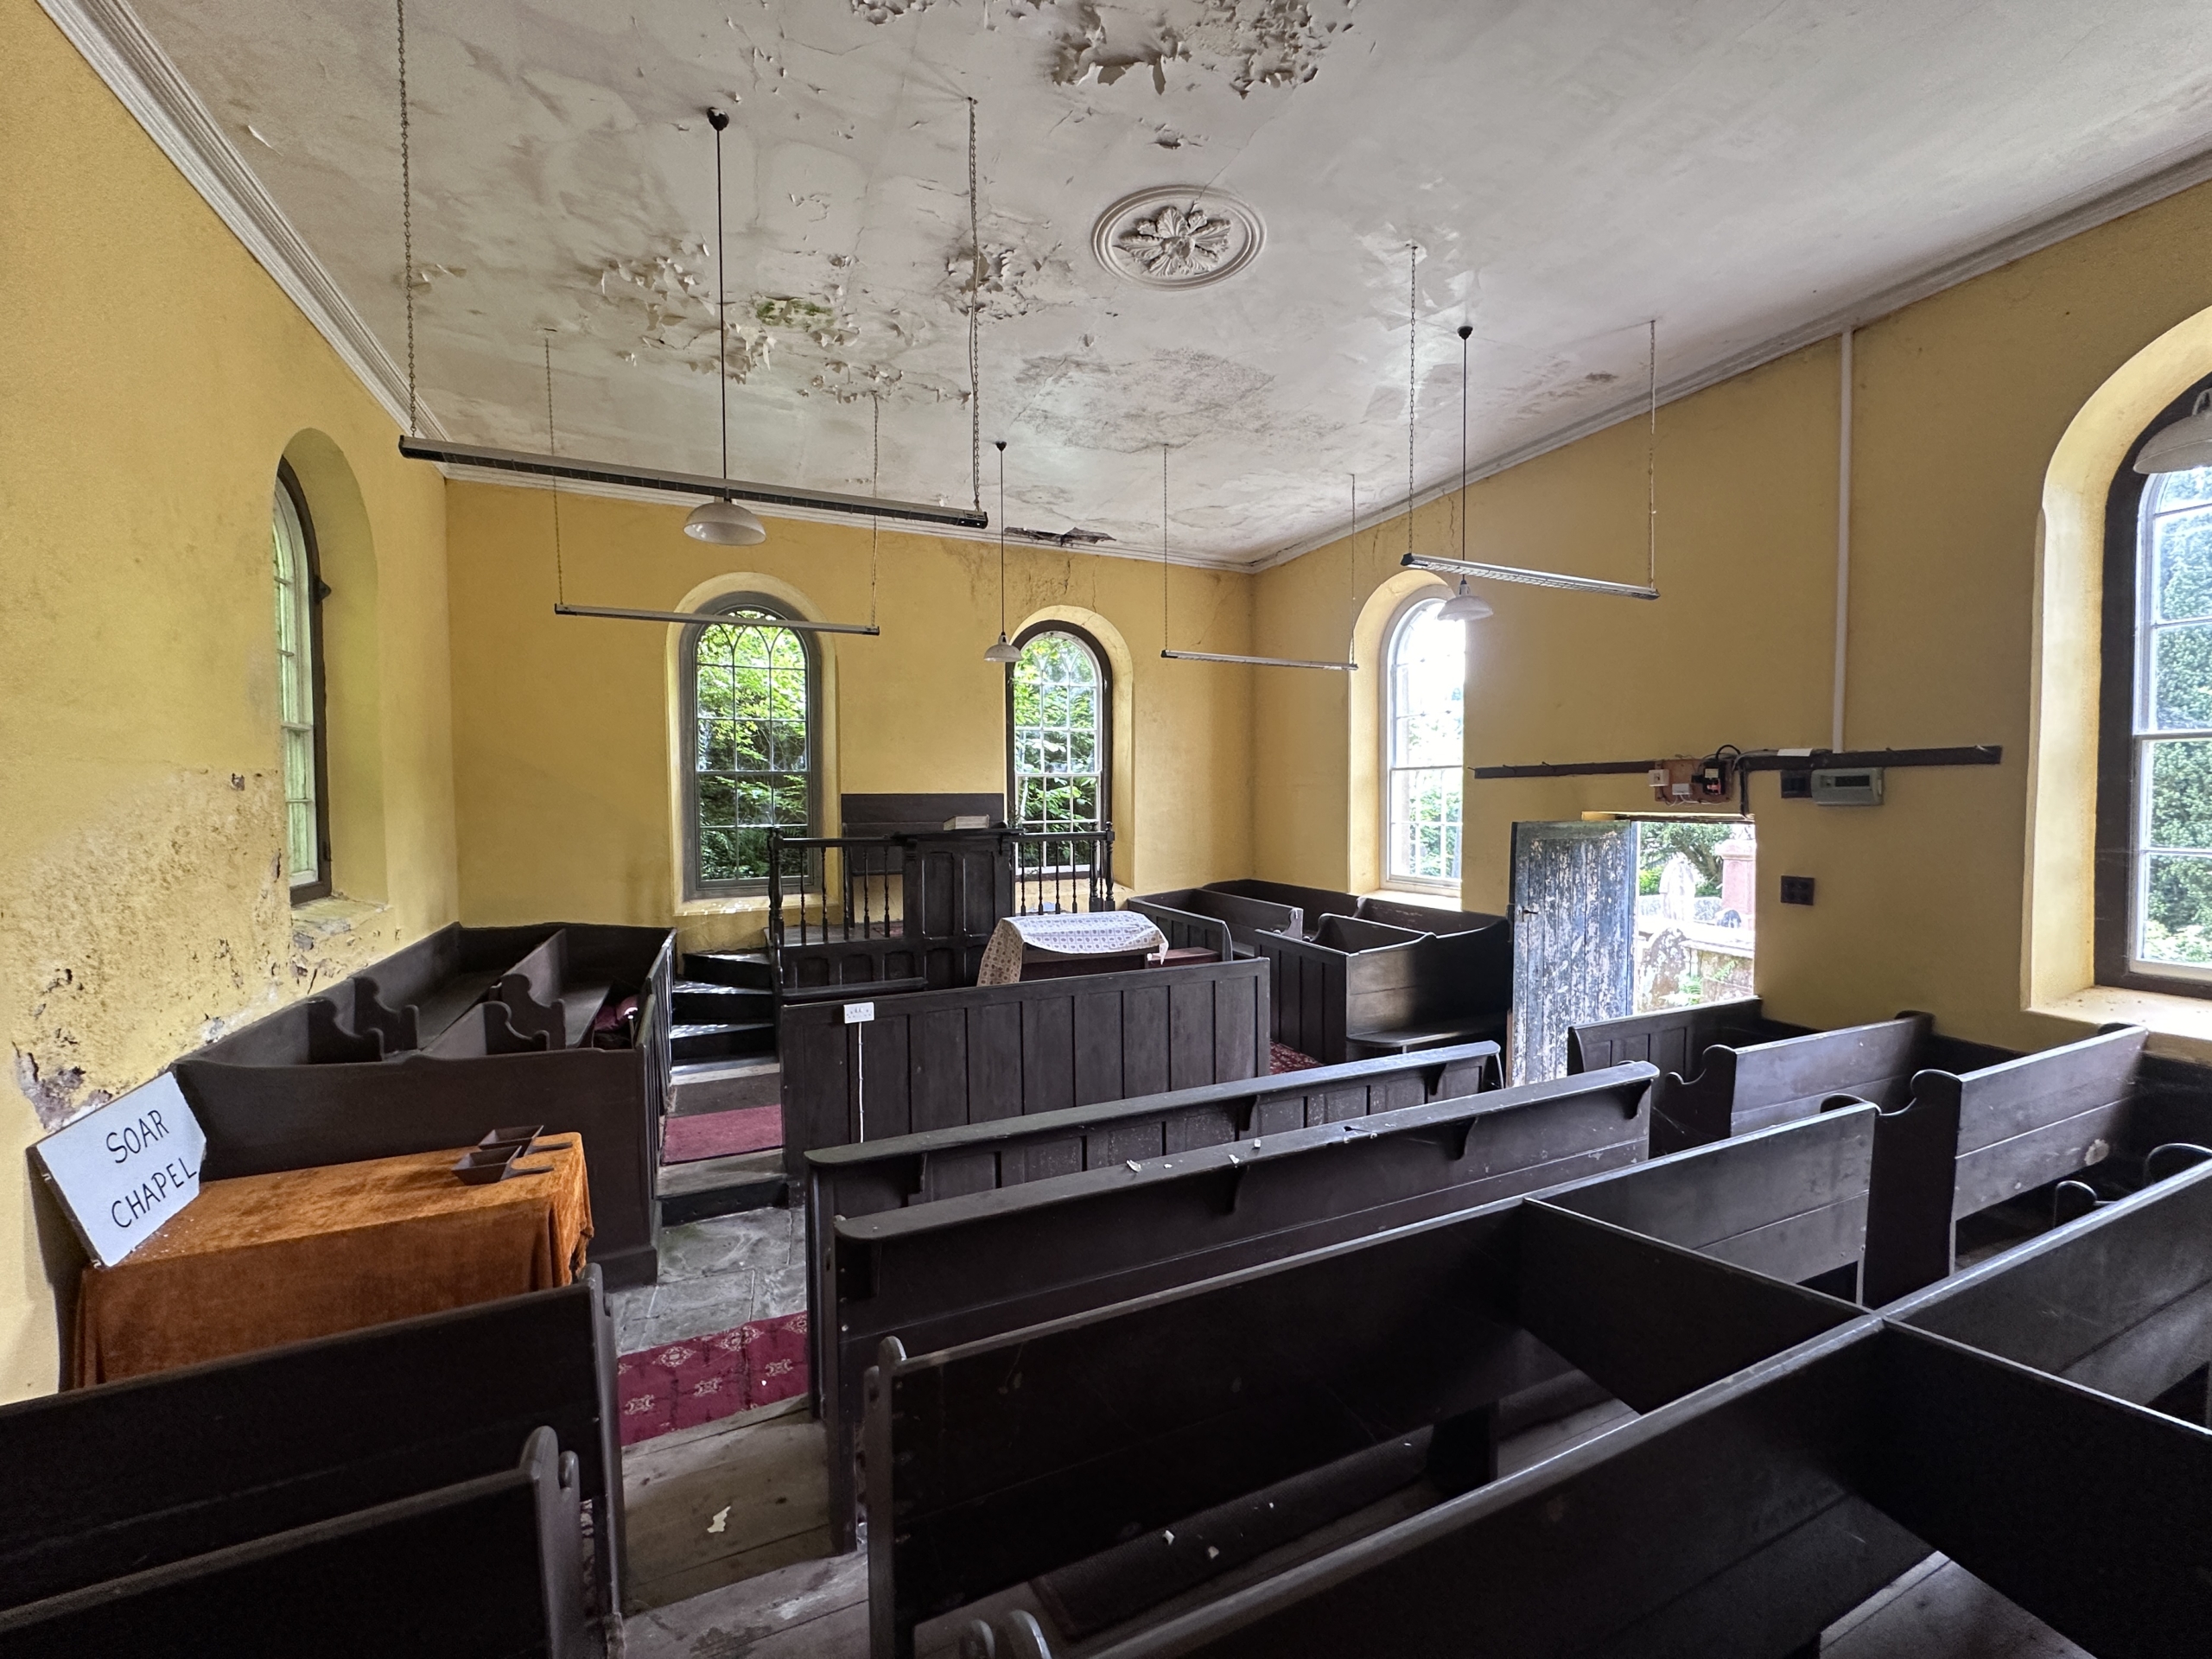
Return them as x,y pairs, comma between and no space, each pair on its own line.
1361,987
305,1086
1673,1038
1749,1087
936,1059
127,1478
1284,1385
1224,922
1965,1142
913,1174
485,1567
544,996
1736,1519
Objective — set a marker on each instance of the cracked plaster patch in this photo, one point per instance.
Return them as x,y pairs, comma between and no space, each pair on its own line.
1275,44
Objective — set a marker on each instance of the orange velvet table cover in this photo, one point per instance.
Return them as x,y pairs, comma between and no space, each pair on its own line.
261,1260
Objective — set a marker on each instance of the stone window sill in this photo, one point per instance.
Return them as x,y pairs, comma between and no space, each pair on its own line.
322,917
2180,1026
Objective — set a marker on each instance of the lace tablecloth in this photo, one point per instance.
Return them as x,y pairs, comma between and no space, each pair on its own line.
1083,933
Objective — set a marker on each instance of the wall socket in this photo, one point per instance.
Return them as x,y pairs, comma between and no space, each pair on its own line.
1796,889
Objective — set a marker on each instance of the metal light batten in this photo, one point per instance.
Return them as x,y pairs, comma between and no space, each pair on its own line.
1465,567
722,521
1216,656
1005,652
794,624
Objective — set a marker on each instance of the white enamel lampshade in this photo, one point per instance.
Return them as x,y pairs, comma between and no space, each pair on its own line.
1464,605
2184,445
726,523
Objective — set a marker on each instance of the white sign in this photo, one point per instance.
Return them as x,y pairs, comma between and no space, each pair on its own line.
125,1168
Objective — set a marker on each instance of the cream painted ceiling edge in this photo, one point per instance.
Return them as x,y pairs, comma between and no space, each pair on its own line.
136,69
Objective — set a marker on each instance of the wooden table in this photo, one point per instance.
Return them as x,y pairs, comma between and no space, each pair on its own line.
262,1260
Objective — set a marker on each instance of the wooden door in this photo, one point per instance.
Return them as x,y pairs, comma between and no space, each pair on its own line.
1573,936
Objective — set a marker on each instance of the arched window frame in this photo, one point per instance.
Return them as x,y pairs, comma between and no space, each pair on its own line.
695,886
300,690
1393,875
1105,704
2129,730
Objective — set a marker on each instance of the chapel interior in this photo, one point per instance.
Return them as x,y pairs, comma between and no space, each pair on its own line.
1077,829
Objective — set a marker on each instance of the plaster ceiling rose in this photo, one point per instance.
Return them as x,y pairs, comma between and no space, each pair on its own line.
1177,236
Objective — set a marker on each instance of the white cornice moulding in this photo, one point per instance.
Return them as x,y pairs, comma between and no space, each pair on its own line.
136,69
464,474
2099,205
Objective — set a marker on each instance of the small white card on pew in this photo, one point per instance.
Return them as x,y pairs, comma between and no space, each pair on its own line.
123,1169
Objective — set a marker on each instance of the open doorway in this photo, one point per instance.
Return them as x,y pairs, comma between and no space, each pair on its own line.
1696,922
1614,916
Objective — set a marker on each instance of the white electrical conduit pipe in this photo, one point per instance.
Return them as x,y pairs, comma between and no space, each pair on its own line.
1842,539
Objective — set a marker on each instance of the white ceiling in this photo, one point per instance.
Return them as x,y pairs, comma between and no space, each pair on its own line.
1735,168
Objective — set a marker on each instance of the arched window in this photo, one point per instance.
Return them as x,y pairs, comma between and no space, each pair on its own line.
1427,659
1059,748
750,708
299,690
2169,741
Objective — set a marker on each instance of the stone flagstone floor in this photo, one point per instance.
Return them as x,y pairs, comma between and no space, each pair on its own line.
716,1275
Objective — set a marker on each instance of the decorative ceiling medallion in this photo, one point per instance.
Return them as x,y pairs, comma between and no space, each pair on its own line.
1177,236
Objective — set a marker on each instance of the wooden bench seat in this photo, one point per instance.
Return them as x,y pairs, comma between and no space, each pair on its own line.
123,1477
484,1568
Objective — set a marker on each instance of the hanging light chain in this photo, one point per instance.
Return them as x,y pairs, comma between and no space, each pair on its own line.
718,121
1413,381
407,226
876,494
974,320
1651,465
553,448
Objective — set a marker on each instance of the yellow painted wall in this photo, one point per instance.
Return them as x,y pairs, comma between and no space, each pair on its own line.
1961,402
151,374
562,728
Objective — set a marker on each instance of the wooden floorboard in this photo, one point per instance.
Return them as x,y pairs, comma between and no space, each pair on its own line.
813,1610
709,1509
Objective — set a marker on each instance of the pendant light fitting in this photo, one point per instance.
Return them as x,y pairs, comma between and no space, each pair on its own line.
1464,605
1465,567
2184,445
724,522
1006,651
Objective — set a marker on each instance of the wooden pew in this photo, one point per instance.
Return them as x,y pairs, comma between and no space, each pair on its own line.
1129,1420
1362,986
1740,1088
1964,1141
544,997
126,1477
1673,1038
962,1268
1225,923
1738,1518
486,1567
845,1182
935,1059
302,1087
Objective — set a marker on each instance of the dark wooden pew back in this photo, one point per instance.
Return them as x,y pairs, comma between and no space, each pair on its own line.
1234,1384
1673,1038
1224,922
1964,1141
1750,1087
938,1059
1054,1263
487,1566
123,1477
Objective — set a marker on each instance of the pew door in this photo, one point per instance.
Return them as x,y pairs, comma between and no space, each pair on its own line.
1573,936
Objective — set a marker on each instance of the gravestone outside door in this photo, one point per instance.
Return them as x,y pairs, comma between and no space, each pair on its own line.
1573,936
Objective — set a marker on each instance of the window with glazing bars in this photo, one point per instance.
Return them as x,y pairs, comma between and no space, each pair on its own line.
1426,686
2170,864
292,568
752,756
1058,701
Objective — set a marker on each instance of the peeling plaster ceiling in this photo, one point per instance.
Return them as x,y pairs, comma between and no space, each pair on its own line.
1736,168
